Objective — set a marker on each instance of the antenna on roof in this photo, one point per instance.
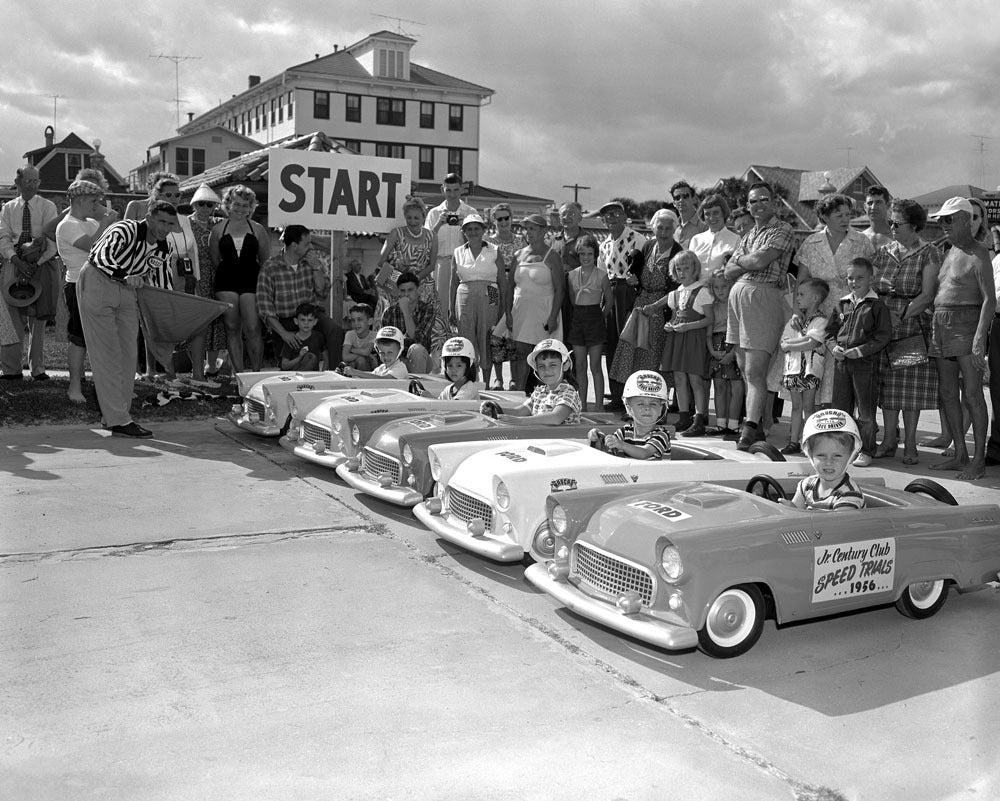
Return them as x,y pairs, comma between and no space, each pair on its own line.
848,149
177,78
55,108
982,163
399,23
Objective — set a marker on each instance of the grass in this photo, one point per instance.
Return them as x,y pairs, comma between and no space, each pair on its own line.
28,403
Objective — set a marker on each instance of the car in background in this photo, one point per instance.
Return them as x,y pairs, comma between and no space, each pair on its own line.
695,564
492,501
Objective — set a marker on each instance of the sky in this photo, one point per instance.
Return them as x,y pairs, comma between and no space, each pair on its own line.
621,96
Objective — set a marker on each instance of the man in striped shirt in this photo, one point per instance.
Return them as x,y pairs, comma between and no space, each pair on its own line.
109,311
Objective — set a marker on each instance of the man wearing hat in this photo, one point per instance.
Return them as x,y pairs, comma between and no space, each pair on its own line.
964,307
614,257
76,233
27,256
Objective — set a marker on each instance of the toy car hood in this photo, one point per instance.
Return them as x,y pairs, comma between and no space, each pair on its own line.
386,439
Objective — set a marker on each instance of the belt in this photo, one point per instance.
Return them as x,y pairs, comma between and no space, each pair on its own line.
773,284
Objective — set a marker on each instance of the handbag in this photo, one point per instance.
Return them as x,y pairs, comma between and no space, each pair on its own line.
636,330
907,352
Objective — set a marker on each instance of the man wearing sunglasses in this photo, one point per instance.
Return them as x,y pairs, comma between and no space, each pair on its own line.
682,193
964,307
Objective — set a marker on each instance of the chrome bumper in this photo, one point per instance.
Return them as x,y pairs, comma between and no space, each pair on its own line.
497,550
399,496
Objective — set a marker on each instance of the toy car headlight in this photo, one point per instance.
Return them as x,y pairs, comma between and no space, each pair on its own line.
407,454
502,496
670,563
355,435
560,520
435,464
292,406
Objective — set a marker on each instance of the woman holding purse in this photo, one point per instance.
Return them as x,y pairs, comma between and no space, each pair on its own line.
905,279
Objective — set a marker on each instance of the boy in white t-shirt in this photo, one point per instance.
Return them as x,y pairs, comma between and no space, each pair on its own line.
389,342
359,342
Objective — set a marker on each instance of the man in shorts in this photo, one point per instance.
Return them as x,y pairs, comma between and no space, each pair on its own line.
757,311
964,307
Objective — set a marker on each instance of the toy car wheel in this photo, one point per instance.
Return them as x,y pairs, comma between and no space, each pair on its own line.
490,409
766,487
734,623
284,429
768,450
923,599
924,486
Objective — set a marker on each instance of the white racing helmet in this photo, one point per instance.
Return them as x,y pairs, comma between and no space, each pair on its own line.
646,384
457,346
393,333
830,421
553,345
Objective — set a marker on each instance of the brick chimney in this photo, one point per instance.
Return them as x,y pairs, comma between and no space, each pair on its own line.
50,135
252,81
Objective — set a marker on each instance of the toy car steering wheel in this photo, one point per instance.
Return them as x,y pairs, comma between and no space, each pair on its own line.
490,409
766,487
416,388
597,442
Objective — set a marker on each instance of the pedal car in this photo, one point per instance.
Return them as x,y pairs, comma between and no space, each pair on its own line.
394,467
323,437
697,564
264,409
492,501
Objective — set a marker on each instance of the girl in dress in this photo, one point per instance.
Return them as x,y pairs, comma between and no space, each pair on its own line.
590,293
688,340
803,343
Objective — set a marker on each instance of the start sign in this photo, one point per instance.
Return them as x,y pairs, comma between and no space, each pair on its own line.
335,191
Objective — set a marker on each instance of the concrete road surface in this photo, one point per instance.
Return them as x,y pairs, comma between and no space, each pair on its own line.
203,616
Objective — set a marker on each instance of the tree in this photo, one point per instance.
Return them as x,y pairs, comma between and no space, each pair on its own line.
649,207
631,207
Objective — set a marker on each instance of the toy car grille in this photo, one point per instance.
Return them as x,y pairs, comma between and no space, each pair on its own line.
313,433
375,465
610,575
467,508
255,408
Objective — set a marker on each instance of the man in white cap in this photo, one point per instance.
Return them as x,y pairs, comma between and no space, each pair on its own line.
614,257
964,307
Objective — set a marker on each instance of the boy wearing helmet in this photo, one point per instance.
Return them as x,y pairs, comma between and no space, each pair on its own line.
389,342
645,397
554,401
831,440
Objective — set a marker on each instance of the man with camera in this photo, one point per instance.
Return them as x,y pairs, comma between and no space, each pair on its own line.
29,262
445,221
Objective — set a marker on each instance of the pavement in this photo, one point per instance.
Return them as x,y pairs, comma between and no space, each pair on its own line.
202,615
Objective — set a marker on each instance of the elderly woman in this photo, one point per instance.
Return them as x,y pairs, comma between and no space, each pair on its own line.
828,254
651,299
714,246
534,297
477,284
238,247
906,278
411,248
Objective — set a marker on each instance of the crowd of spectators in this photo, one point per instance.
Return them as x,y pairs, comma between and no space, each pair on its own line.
727,298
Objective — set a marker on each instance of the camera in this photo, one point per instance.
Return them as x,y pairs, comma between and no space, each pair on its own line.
185,266
452,219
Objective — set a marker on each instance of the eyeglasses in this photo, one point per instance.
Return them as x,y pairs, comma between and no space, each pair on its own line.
947,219
682,197
894,224
501,219
203,203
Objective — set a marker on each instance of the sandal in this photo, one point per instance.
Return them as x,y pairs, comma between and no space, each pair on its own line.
885,452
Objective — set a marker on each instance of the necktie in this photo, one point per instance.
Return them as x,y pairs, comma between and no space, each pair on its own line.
25,225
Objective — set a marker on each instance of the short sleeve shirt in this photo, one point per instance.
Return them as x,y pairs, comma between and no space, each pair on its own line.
545,399
846,495
468,391
658,437
69,230
397,370
773,234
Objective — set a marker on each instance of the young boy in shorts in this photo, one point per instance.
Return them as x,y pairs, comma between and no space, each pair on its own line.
860,326
308,351
359,342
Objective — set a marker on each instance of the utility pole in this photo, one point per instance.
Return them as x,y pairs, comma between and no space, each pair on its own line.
576,190
177,78
982,161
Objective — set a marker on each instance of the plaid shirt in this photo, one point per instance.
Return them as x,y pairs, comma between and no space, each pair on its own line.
280,289
423,319
614,251
544,400
773,234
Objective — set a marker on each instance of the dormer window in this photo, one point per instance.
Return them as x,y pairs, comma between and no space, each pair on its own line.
390,63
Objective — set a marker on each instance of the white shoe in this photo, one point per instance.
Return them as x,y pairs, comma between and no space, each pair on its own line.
863,460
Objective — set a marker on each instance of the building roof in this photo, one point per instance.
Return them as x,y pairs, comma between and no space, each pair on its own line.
936,198
430,192
253,166
70,142
222,128
802,186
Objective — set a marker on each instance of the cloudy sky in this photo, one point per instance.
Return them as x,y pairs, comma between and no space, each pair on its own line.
622,96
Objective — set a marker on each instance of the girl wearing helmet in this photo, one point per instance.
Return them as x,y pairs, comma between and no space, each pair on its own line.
645,397
458,363
831,440
554,401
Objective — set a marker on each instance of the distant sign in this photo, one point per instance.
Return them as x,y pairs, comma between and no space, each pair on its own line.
992,208
335,191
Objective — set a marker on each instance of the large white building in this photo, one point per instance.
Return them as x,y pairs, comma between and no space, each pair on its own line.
371,97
